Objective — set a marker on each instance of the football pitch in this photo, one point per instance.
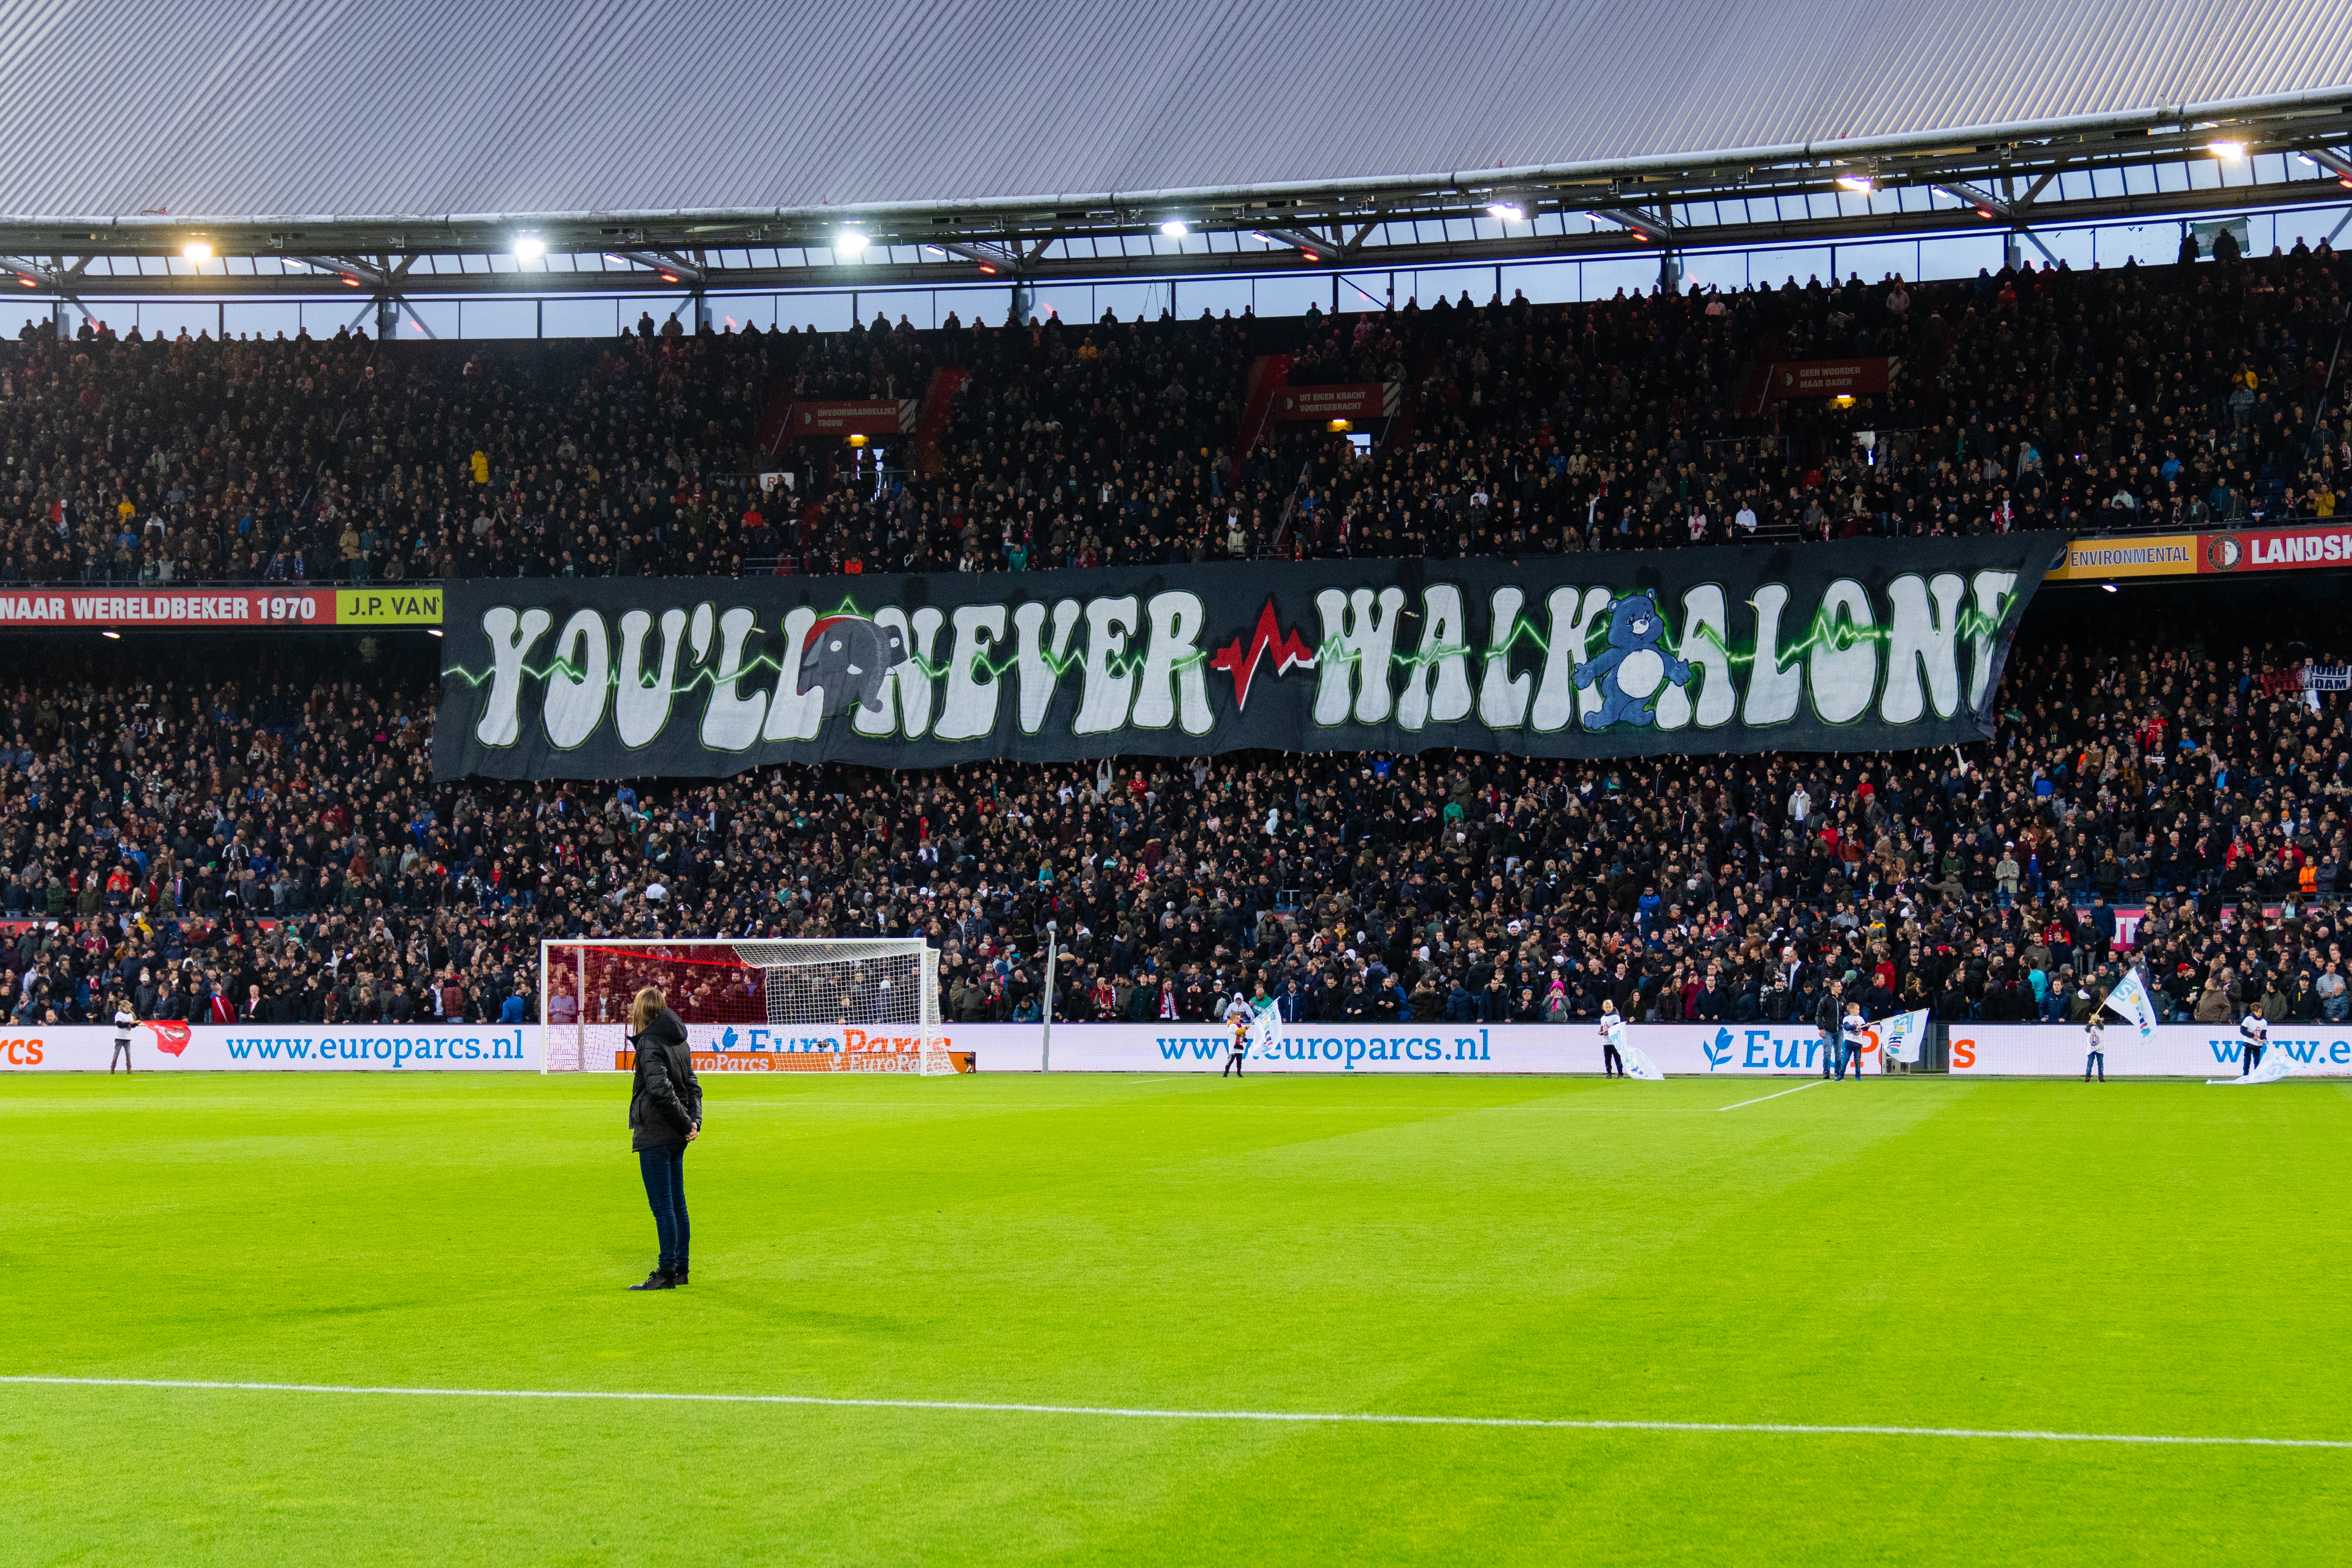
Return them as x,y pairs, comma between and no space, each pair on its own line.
1025,1319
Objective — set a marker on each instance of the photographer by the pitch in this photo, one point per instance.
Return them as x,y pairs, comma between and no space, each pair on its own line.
665,1116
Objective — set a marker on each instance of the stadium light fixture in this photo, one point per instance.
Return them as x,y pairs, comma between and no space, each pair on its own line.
1177,229
28,283
432,631
849,242
857,440
197,251
529,248
669,277
111,637
1860,183
1504,209
1341,424
2110,587
349,281
2227,150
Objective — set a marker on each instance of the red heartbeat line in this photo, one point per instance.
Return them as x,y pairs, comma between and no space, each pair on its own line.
1289,654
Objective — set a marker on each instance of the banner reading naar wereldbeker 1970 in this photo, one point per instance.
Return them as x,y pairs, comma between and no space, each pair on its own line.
1858,645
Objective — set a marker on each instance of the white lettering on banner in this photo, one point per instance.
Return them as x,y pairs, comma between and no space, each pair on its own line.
2173,1050
261,1048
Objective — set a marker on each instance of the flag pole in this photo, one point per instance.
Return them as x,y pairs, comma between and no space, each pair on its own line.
1046,1035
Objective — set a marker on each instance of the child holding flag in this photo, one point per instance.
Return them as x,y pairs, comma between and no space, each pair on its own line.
2092,1039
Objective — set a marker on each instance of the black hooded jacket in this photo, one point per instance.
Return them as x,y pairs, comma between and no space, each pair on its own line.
665,1100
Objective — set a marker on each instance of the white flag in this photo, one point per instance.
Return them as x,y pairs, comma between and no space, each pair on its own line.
2276,1064
2130,1001
1900,1037
1637,1060
1265,1034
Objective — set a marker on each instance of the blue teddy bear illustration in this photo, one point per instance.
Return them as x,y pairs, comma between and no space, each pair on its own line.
1634,667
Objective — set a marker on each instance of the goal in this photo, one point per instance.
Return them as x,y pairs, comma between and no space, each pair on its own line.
801,1005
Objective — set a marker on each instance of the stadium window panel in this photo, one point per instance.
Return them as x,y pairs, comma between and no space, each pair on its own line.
1722,270
1130,300
1219,295
747,310
915,304
1545,282
1959,256
2073,246
1291,296
266,317
169,318
429,317
567,317
1771,268
2312,226
825,312
499,318
1635,274
1873,262
1072,303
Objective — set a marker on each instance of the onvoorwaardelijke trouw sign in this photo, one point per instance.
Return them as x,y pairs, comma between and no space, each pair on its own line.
1858,645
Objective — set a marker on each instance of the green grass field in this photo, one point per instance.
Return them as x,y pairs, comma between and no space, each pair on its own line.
2141,1258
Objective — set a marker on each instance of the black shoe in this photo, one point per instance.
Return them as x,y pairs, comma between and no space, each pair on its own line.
657,1281
677,1277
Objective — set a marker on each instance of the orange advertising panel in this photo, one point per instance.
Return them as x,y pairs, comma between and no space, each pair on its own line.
2318,548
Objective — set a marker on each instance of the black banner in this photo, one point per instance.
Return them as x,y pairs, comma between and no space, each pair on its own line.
1859,645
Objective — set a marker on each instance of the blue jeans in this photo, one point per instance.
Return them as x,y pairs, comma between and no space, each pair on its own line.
664,1169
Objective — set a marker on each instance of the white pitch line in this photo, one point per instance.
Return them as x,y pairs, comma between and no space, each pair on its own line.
1295,1416
1762,1098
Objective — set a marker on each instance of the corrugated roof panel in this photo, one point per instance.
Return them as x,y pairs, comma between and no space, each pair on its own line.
235,108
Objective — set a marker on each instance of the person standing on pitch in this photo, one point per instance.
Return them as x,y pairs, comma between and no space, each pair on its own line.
1853,1034
1613,1061
2253,1037
665,1116
125,1020
1826,1019
1239,1015
2093,1042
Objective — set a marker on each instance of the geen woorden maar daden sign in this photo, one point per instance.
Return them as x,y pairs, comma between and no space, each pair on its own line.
1857,646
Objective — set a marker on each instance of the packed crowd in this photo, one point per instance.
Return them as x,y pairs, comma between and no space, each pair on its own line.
264,841
2175,396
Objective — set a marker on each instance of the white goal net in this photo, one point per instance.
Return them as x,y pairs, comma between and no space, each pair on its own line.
864,1004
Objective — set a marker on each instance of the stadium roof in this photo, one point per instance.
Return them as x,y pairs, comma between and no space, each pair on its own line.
633,137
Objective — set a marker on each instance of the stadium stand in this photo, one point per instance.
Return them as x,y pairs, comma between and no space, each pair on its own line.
269,843
2154,399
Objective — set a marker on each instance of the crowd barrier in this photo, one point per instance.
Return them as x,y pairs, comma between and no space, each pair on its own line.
1680,1050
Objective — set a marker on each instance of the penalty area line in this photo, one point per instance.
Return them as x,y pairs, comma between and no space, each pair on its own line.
1762,1098
1360,1418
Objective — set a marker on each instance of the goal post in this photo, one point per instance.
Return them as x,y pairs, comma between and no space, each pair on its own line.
792,1005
